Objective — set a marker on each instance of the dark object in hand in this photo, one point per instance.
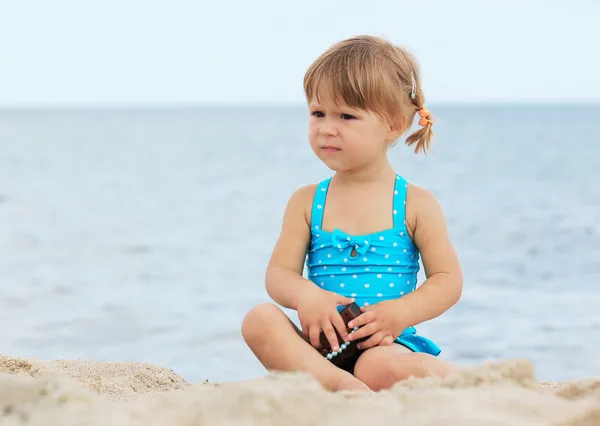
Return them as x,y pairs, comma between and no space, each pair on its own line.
348,352
345,358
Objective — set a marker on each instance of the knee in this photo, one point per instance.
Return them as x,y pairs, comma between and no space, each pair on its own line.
419,364
370,370
256,322
380,372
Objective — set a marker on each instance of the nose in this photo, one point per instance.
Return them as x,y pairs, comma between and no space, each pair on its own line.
327,129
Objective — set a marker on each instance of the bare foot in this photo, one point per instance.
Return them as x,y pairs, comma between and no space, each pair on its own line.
352,383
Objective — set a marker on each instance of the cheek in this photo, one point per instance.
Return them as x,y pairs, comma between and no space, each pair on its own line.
365,147
313,133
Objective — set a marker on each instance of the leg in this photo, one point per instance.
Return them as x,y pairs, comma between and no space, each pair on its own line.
382,366
276,343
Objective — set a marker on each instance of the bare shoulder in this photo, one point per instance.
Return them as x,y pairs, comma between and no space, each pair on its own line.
426,220
418,193
421,205
301,201
291,246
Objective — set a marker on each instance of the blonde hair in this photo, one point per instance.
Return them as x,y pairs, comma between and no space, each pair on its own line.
370,73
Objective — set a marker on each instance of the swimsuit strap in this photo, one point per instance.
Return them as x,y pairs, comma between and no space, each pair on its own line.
400,202
318,207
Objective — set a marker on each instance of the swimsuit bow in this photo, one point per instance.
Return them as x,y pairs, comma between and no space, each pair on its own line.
342,240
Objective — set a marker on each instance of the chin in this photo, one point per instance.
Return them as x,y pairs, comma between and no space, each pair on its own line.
336,166
339,164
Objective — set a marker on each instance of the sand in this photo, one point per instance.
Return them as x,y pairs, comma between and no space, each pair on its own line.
83,392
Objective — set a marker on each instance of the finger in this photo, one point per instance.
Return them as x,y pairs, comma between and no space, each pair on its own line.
345,300
339,325
364,331
331,336
313,334
362,319
304,328
387,340
374,340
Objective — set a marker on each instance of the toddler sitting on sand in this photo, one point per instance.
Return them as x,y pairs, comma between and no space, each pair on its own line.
361,232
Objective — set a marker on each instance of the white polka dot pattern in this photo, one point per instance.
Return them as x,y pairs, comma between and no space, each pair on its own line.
370,268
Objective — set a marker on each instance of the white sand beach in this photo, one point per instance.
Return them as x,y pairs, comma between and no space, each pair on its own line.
86,392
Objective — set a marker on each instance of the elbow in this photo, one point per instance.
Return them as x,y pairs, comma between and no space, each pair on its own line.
456,288
450,288
273,278
269,281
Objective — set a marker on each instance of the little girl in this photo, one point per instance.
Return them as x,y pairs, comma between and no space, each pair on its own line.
361,232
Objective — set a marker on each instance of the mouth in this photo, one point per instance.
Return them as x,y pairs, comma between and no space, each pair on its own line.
329,148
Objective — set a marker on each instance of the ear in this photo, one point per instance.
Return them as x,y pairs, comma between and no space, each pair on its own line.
396,128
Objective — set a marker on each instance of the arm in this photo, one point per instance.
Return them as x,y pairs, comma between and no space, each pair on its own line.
441,290
283,277
443,285
316,308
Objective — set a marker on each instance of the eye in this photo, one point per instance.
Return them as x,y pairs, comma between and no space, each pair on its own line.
317,114
347,117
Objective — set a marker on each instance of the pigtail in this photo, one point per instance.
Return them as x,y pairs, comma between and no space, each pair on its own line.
421,139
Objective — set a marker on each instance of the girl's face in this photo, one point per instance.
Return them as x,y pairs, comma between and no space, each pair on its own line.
345,138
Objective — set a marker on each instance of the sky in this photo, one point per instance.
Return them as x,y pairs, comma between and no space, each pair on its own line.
198,52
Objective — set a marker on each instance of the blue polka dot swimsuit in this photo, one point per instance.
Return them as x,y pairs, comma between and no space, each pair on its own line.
383,266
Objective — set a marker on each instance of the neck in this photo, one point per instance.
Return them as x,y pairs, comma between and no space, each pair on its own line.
375,171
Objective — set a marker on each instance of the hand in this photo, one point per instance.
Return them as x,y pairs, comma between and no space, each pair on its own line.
317,310
381,321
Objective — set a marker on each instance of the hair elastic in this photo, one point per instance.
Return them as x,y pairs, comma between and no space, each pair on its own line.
423,113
